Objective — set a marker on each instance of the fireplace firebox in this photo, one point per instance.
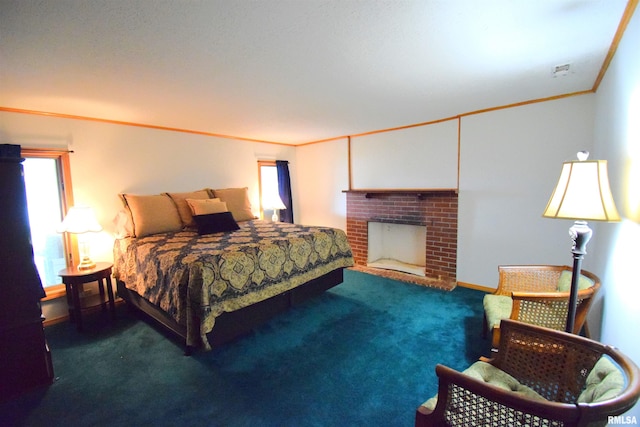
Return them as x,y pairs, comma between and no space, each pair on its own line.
399,247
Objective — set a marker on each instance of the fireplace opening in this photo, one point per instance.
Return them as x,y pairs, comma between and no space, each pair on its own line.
399,247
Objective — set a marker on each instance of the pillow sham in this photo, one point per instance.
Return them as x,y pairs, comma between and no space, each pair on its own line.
237,200
215,223
208,206
152,214
180,199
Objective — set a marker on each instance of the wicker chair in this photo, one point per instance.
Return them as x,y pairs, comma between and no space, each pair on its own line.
555,379
538,295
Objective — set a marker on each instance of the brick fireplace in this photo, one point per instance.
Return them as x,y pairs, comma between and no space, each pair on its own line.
437,210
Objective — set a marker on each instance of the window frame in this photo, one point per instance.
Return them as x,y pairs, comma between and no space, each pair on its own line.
261,163
66,200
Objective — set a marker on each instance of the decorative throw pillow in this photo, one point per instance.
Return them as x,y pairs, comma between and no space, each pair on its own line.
215,223
208,206
152,214
237,200
183,208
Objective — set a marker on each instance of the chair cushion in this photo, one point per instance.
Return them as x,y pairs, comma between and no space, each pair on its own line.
564,282
605,381
483,371
496,308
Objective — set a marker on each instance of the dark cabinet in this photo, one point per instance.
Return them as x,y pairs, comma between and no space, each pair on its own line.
25,360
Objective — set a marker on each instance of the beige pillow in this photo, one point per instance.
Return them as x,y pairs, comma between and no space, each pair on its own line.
564,282
152,214
208,206
237,200
180,199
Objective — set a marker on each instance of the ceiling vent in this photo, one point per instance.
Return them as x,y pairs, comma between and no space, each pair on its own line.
560,70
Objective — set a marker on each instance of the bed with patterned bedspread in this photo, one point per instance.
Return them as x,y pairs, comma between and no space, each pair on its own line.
195,278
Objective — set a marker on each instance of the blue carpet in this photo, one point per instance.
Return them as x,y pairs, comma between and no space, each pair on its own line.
363,353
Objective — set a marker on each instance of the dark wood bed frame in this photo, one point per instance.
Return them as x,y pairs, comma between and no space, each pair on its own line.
232,325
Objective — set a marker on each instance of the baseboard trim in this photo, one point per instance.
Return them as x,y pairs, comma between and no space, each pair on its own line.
476,287
65,318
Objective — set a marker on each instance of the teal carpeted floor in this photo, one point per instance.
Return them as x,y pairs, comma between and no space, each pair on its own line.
362,354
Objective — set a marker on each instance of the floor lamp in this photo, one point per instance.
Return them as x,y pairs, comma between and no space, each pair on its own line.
582,194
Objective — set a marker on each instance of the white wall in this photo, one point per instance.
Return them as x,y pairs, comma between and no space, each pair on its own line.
418,157
110,159
322,175
617,139
510,161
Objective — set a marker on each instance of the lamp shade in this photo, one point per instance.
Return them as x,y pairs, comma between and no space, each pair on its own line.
583,193
79,219
273,201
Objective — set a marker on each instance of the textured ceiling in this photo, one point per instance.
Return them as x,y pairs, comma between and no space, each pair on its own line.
295,71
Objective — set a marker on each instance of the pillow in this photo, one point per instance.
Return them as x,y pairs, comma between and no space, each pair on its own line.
237,200
208,206
496,308
183,208
486,372
215,223
605,382
123,224
152,214
564,282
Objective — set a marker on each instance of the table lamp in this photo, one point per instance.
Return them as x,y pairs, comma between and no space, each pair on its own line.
273,202
81,220
582,194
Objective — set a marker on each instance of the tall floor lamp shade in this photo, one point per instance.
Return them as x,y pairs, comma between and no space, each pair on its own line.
81,220
582,194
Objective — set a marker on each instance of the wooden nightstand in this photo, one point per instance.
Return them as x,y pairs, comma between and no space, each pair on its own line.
74,281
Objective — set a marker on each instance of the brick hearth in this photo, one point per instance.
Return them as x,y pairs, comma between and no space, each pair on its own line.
438,211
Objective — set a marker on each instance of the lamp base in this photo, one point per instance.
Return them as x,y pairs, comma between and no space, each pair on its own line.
86,264
274,217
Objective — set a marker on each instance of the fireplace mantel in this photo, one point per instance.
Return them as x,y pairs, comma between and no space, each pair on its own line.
420,193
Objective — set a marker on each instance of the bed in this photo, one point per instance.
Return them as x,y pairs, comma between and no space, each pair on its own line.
211,288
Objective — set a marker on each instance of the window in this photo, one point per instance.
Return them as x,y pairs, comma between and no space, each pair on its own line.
48,183
268,186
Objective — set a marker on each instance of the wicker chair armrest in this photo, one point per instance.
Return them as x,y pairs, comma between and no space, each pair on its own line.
462,398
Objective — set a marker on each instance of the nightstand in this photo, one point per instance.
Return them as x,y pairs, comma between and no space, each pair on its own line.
77,300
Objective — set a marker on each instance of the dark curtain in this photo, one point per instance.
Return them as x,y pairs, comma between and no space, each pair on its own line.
284,189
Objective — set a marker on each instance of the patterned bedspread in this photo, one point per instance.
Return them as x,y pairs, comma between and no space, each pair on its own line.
181,271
